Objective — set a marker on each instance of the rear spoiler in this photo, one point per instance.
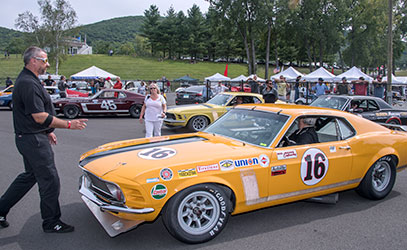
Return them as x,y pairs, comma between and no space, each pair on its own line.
395,127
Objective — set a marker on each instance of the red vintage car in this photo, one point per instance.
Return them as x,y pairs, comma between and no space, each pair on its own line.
107,101
237,87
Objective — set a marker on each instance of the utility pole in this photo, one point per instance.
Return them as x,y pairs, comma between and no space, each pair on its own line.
390,54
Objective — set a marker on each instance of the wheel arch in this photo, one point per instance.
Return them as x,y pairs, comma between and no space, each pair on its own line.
394,118
200,114
391,152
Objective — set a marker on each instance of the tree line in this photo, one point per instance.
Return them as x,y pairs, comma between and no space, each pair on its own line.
315,32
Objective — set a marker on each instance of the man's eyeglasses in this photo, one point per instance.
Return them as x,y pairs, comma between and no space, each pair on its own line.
153,88
45,60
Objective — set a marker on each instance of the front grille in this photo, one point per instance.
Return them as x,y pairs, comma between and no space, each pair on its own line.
170,116
100,189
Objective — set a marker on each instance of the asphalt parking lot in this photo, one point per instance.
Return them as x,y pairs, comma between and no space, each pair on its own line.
353,223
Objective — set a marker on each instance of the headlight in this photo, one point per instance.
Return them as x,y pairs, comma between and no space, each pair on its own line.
115,191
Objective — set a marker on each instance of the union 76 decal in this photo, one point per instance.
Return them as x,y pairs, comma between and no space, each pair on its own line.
314,165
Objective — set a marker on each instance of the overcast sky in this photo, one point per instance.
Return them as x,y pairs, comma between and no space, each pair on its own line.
91,11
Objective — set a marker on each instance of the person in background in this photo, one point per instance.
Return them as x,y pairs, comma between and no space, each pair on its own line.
269,93
207,91
281,88
153,111
9,82
220,88
62,86
343,87
108,83
379,87
142,89
93,86
117,85
360,86
297,88
320,88
49,81
254,84
34,124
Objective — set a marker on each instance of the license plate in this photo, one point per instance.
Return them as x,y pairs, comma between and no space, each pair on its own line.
186,96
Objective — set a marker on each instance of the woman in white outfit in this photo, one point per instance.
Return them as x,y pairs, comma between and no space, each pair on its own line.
153,110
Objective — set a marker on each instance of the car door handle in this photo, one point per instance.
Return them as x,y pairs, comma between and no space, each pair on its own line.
345,147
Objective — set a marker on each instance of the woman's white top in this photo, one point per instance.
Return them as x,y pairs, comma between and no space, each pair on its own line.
154,108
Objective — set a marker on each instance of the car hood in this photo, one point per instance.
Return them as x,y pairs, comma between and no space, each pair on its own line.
125,158
193,107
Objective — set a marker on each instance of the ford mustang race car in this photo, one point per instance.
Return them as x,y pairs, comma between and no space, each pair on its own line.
6,101
198,116
240,163
106,101
7,90
369,107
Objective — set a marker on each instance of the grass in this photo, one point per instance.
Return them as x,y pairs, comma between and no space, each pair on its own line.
133,68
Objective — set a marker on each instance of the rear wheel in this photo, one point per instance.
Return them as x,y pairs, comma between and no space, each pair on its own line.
135,111
379,180
71,111
197,214
394,121
198,123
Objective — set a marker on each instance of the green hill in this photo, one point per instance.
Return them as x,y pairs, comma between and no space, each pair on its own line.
6,35
119,29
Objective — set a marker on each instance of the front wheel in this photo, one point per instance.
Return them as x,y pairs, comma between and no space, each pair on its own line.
135,111
197,214
71,111
379,180
198,123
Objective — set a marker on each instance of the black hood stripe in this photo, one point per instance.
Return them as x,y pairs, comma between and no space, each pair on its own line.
140,146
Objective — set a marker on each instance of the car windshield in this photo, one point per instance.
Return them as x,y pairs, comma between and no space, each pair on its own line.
220,99
333,102
251,126
197,89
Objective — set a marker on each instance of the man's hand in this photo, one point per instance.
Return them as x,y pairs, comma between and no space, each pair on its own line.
78,124
52,138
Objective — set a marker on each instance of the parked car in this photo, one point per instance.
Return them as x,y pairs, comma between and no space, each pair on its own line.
240,163
369,107
190,95
237,87
6,101
106,101
198,116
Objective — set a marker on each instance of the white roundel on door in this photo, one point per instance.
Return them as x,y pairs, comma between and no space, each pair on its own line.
314,166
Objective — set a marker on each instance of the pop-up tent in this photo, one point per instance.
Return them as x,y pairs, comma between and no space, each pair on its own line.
290,74
258,78
394,80
92,73
239,78
186,78
319,73
217,77
353,74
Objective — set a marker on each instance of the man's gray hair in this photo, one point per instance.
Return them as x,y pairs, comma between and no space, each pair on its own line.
310,121
31,52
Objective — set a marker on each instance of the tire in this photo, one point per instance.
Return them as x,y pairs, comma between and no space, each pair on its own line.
300,103
71,111
10,105
198,123
394,121
135,111
197,214
379,179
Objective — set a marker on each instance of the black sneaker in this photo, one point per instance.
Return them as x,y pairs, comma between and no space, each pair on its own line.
3,221
59,227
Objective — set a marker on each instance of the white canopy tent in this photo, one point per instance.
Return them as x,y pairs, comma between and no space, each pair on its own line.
217,77
403,79
239,78
394,80
290,74
258,78
353,74
92,73
319,73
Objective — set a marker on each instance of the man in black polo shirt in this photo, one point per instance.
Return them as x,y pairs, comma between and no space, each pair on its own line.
34,123
49,81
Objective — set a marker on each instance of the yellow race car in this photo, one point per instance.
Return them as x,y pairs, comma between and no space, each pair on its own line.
197,117
7,91
242,162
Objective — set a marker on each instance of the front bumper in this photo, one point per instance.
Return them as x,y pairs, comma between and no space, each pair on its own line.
113,225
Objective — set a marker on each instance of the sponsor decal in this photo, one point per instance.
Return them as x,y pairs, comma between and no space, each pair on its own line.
264,160
159,191
226,165
332,149
151,180
286,154
222,215
211,167
157,153
187,173
403,113
278,170
382,114
166,174
314,166
246,162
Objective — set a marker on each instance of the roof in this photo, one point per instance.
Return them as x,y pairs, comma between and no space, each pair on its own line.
186,78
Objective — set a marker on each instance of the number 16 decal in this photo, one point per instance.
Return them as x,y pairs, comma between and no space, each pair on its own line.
314,165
